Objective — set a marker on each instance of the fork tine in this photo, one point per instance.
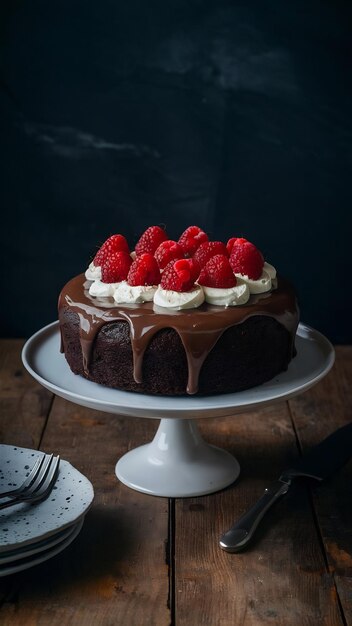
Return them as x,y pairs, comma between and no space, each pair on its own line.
49,481
36,484
38,479
26,483
43,490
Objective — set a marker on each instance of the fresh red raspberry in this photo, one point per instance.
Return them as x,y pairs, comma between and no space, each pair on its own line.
232,241
115,243
217,273
150,240
191,239
116,267
208,249
246,259
144,271
179,275
168,251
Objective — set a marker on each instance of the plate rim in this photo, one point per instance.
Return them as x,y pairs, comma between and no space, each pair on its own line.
30,549
41,558
188,404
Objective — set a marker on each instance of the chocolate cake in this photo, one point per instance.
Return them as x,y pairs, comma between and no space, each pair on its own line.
146,348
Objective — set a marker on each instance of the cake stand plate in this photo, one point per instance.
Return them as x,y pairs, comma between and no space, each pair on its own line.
178,462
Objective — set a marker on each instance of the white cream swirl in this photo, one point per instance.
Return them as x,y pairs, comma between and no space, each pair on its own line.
128,294
264,283
101,290
93,272
269,269
179,300
233,296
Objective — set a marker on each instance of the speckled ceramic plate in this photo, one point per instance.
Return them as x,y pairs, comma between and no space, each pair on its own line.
10,556
25,563
25,523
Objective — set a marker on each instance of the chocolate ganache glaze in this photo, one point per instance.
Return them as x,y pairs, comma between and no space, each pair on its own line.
199,329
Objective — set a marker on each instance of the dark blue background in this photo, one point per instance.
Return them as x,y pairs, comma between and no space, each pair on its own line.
117,115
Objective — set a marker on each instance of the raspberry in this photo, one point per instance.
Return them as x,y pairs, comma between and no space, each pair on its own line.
208,249
179,275
150,240
246,259
217,273
168,251
144,271
116,267
191,239
231,243
115,243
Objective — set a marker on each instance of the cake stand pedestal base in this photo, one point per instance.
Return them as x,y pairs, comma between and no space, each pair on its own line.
177,463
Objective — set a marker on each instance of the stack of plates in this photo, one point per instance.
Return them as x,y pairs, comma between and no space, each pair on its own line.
33,533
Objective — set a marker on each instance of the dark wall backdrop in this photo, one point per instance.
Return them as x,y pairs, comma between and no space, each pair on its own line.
117,115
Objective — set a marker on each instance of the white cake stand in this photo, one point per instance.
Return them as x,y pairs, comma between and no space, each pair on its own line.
178,462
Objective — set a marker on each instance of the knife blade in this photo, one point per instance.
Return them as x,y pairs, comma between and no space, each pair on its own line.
320,462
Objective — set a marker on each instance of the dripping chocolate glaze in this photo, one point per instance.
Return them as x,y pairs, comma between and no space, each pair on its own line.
199,329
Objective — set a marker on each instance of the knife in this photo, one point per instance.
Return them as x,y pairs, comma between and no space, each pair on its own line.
319,463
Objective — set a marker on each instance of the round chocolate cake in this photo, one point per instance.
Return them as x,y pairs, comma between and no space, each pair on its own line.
147,348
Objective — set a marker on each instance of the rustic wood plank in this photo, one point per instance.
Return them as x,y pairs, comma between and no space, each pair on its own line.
282,578
24,404
316,414
116,571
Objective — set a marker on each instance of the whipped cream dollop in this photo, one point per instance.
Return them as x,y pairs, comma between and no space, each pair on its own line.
270,269
100,289
233,296
93,272
179,300
128,294
264,283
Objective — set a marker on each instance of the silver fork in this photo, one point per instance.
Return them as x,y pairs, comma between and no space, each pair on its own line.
41,486
27,482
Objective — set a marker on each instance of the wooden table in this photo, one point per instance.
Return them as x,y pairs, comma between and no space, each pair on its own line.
144,560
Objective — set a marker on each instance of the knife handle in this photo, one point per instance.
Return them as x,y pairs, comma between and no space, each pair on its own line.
241,533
